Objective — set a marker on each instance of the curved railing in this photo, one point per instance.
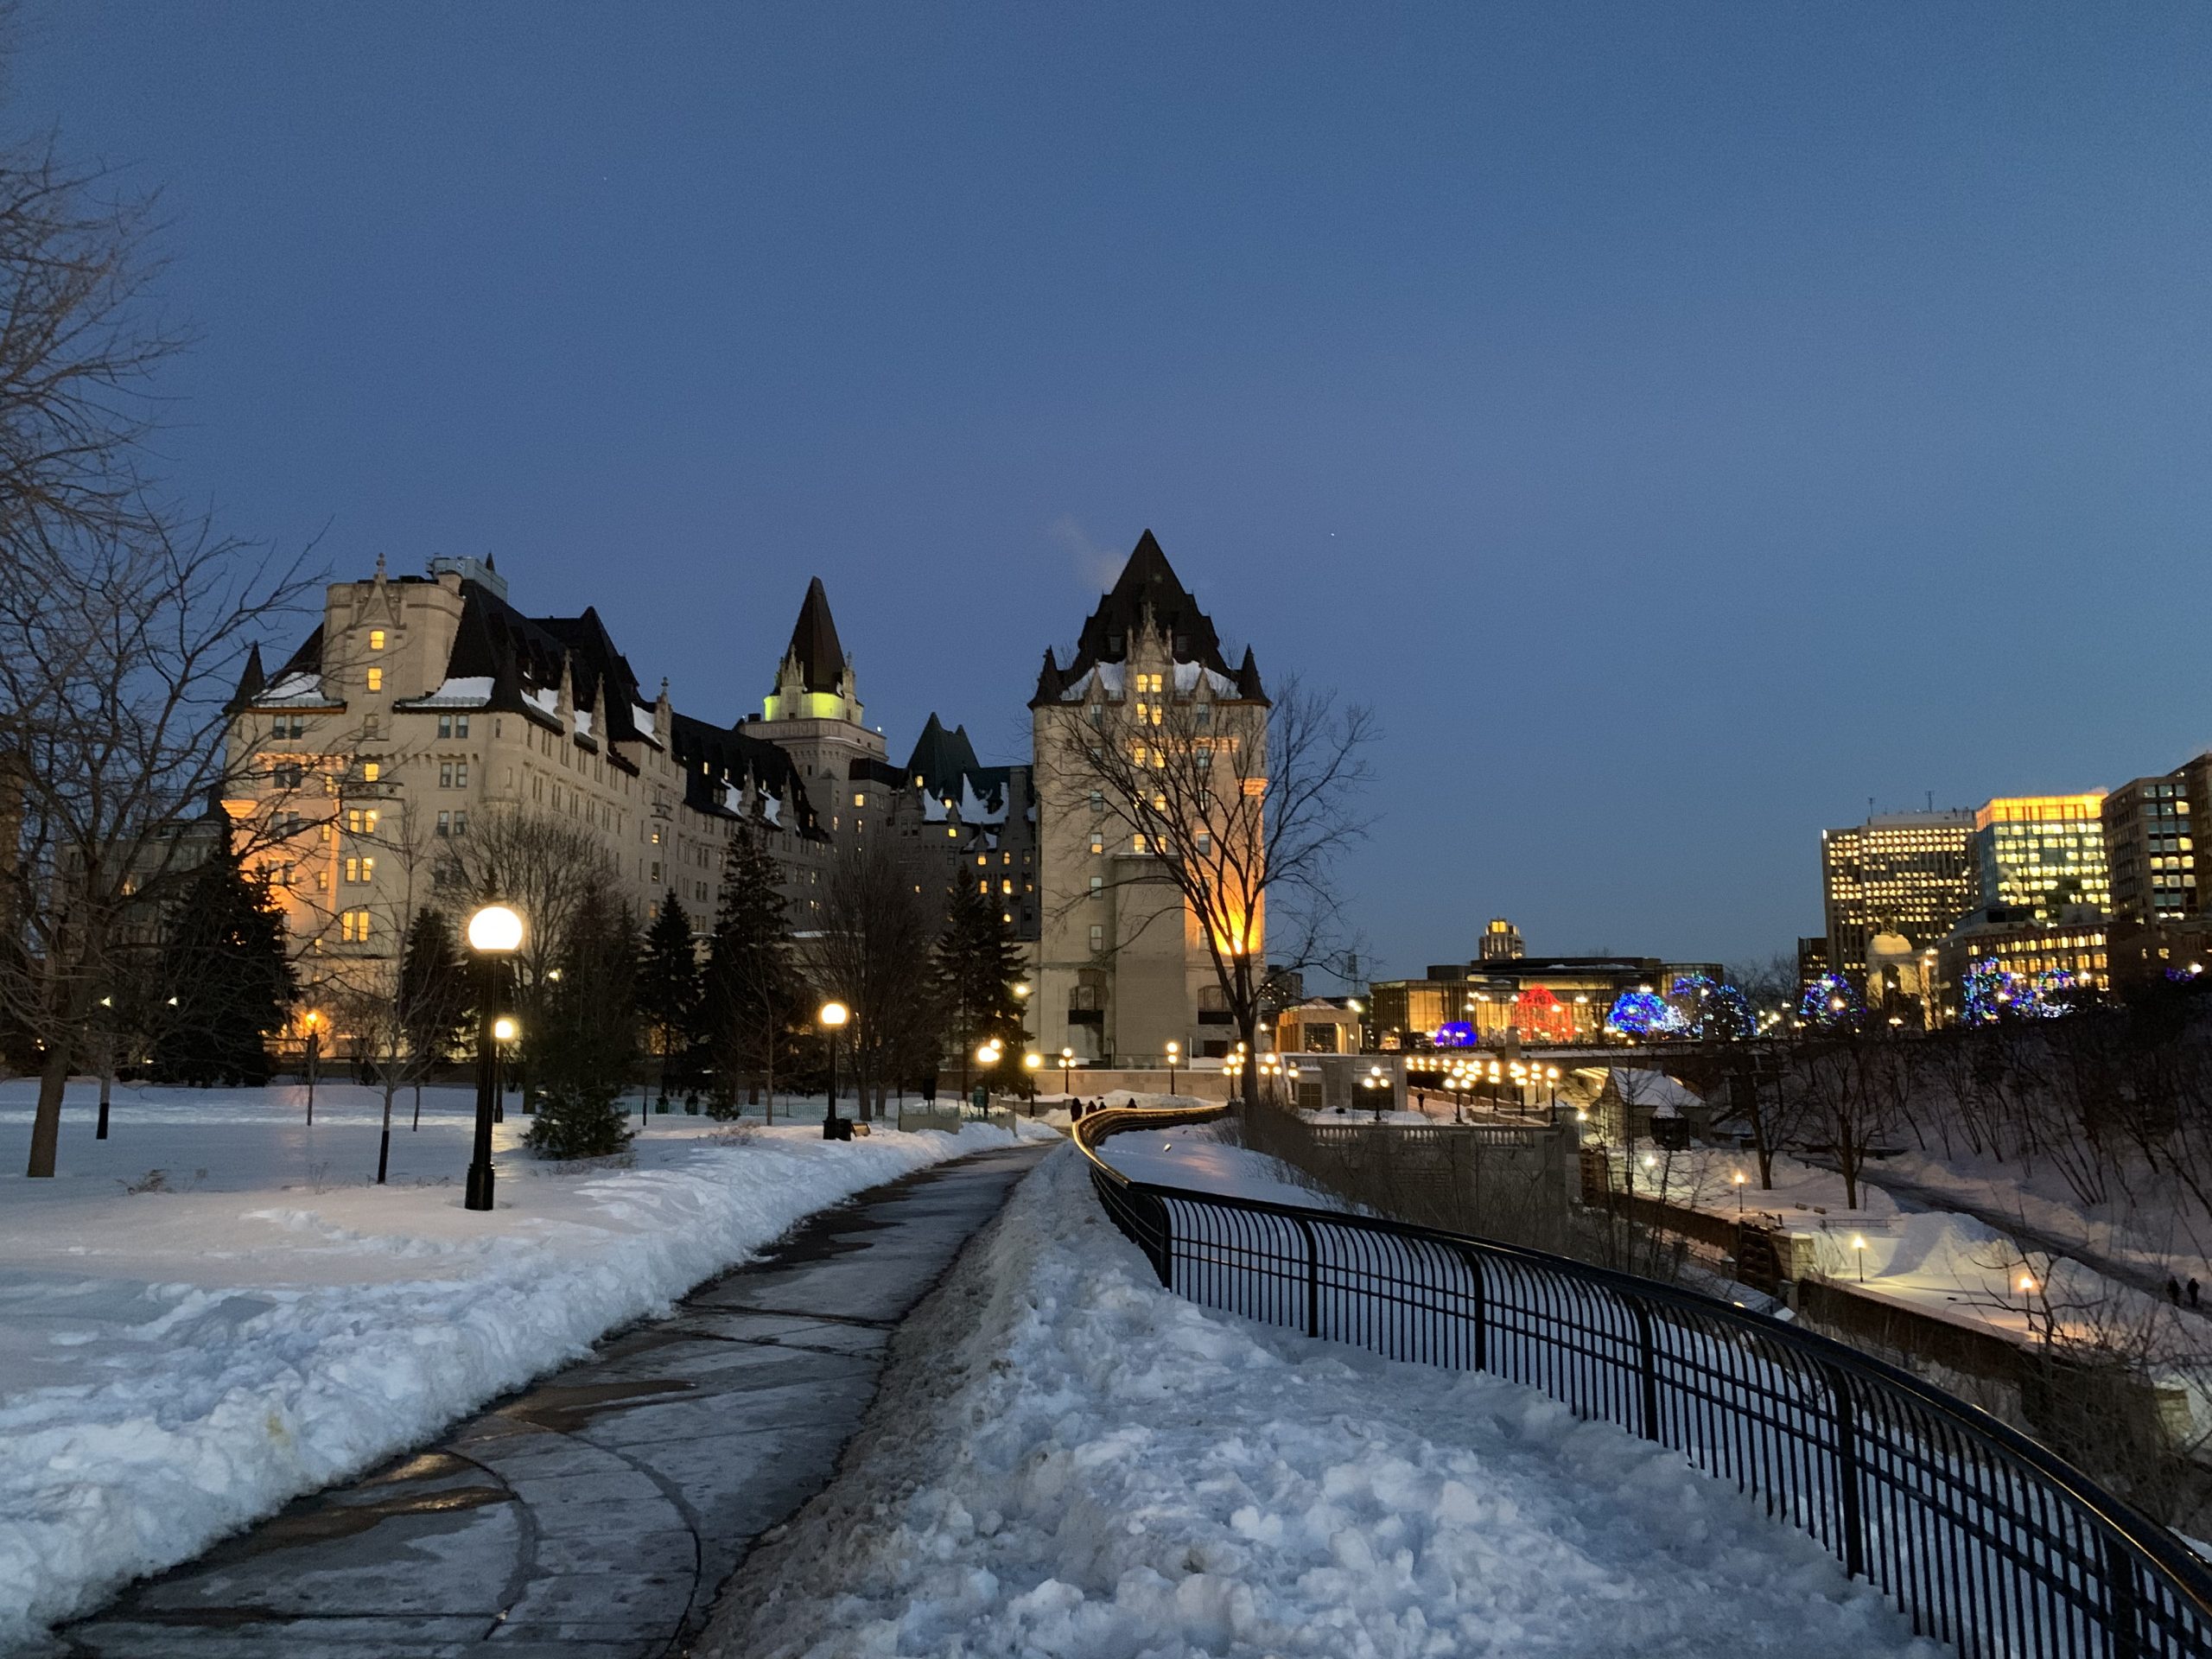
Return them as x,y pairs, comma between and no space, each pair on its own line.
1985,1539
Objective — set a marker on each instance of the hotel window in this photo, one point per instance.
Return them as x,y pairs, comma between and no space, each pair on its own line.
1098,936
370,771
1097,886
1137,844
376,679
376,643
445,824
1098,841
453,774
369,728
858,799
286,777
353,926
1097,803
983,887
1006,887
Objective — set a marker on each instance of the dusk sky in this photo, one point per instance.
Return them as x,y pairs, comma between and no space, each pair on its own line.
1682,424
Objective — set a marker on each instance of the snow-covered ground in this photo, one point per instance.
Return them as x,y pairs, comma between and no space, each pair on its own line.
1083,1465
178,1359
1937,1260
1193,1156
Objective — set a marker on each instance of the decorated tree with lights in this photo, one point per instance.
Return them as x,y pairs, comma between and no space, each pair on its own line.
1832,1003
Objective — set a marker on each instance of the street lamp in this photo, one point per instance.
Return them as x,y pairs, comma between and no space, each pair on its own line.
495,933
314,1023
832,1018
1174,1053
1737,1178
1030,1062
1067,1071
1858,1244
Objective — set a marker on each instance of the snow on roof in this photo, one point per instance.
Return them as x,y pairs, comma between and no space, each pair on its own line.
1653,1089
1186,680
642,718
467,691
583,723
292,688
974,809
546,700
1106,675
935,811
772,809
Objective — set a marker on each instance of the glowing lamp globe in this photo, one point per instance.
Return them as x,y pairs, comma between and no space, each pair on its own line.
834,1014
495,931
505,1029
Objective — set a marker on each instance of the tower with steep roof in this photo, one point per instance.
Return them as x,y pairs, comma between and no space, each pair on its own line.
1123,966
815,714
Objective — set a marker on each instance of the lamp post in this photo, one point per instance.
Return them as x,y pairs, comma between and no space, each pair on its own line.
986,1055
1030,1062
832,1018
1174,1053
1858,1247
494,932
314,1022
1739,1178
1067,1071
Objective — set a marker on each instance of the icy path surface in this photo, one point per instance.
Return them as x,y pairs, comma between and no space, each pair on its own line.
592,1516
177,1363
1068,1460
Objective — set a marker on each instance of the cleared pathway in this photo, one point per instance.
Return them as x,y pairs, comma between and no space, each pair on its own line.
594,1515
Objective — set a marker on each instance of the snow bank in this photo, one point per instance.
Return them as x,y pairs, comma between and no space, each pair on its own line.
175,1363
1087,1466
1193,1156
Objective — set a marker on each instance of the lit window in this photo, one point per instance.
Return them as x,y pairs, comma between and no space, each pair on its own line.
1098,841
353,926
859,799
1006,887
376,679
1137,844
371,772
376,642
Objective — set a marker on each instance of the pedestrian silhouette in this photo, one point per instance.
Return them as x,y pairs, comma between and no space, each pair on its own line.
2173,1290
2192,1293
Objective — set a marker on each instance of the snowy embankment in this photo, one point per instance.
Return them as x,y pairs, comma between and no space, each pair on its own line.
1194,1155
181,1359
1067,1459
1939,1261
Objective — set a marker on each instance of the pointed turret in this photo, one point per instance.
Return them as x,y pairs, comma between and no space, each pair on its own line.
815,652
252,679
1248,679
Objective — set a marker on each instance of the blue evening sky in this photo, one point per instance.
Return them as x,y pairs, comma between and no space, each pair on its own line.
1683,423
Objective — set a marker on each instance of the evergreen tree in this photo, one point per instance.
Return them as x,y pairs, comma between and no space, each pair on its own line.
435,999
978,965
590,1033
668,986
228,981
752,993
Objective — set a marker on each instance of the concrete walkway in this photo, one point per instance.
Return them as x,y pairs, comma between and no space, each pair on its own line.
594,1515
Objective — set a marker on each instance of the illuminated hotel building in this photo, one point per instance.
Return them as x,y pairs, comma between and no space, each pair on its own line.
2042,855
1907,873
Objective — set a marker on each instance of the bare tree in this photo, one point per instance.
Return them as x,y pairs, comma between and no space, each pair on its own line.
871,950
542,865
114,677
123,621
1238,808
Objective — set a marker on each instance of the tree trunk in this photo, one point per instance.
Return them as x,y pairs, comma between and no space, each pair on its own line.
46,1124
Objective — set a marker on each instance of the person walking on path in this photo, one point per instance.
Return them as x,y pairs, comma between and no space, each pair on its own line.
2173,1290
2192,1293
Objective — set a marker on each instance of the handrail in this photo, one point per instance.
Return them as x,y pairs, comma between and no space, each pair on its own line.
1984,1537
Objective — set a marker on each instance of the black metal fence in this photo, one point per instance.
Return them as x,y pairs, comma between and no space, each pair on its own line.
1988,1540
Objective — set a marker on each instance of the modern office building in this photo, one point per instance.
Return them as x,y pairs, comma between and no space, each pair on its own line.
2151,848
2042,855
1905,872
